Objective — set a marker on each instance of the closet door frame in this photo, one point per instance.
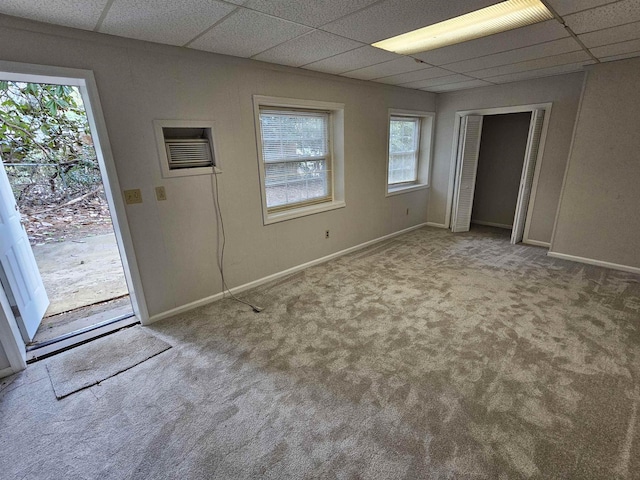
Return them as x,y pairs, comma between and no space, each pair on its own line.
454,167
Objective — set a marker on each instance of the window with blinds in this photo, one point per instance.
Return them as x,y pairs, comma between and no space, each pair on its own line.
297,157
404,143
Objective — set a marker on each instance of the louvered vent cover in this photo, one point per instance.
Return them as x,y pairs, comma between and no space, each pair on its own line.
188,153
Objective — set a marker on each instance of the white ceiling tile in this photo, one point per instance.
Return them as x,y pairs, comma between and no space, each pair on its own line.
314,13
612,15
358,58
563,7
400,65
433,82
174,22
308,48
537,64
533,52
71,13
630,31
622,56
424,74
543,72
457,86
616,49
500,42
245,33
393,17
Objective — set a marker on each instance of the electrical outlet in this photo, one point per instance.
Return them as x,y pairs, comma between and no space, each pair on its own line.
132,196
161,194
326,234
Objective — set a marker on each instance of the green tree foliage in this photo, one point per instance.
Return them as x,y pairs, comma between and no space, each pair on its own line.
45,142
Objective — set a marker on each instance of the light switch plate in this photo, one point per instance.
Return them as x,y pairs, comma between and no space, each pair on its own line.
161,194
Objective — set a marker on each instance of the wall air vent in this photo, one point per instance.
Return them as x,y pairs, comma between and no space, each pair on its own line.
186,148
188,153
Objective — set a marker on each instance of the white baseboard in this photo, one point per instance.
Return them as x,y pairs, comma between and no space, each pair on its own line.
188,306
437,225
597,263
491,224
5,372
275,276
536,243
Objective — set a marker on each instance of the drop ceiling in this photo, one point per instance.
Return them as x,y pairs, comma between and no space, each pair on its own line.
333,36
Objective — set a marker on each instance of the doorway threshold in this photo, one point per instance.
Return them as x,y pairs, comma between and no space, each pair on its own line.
40,350
58,325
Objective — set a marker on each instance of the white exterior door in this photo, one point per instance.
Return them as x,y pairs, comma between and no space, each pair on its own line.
19,265
467,160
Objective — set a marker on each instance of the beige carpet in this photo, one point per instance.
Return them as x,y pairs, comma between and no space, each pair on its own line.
432,356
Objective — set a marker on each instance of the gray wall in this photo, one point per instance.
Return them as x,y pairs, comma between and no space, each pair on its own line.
564,91
175,240
599,216
4,361
502,149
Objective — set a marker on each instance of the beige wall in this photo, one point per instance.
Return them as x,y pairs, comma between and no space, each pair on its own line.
175,240
502,149
564,91
599,216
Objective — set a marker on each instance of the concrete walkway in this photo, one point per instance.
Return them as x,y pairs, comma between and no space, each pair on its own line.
81,272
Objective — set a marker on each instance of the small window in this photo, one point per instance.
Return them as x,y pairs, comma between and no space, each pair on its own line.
409,154
297,158
404,142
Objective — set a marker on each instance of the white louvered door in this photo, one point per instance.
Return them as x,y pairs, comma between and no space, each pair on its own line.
467,160
19,265
528,169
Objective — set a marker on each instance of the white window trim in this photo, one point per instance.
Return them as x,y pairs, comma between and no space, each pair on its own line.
336,145
415,150
425,151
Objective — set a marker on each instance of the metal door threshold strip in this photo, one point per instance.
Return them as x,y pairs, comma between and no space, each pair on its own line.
44,349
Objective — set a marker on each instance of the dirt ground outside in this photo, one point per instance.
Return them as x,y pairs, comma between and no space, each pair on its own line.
80,272
79,261
75,221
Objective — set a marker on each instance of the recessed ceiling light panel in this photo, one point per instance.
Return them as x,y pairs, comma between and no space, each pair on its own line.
481,23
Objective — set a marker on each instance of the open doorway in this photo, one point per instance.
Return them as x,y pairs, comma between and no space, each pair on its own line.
53,173
496,167
65,255
503,144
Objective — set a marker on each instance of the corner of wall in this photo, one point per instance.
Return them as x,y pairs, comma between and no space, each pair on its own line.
570,154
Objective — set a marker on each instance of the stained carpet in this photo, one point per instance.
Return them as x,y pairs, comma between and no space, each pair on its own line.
94,362
431,356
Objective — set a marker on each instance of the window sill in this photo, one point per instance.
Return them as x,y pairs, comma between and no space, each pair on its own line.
270,218
405,189
190,172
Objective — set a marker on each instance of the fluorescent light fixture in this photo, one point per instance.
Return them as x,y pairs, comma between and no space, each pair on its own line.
481,23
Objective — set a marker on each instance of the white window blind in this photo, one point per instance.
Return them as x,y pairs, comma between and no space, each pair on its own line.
296,156
404,140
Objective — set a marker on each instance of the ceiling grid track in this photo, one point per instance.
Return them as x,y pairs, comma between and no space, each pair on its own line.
211,27
336,37
103,15
569,30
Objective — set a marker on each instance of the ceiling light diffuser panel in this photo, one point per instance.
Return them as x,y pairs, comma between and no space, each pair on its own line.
481,23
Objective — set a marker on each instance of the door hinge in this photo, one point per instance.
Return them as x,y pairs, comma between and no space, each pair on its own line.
15,311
